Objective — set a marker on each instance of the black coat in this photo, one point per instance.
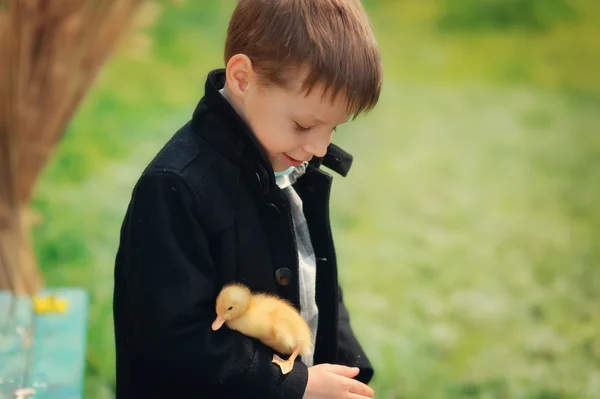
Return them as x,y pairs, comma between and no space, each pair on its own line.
207,211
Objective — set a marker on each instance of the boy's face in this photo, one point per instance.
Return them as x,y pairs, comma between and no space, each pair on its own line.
290,126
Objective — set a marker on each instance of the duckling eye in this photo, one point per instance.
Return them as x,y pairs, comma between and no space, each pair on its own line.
231,307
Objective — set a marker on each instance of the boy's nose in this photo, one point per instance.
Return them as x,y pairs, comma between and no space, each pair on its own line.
319,150
318,147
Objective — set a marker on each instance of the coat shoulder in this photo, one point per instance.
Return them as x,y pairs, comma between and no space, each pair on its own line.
211,179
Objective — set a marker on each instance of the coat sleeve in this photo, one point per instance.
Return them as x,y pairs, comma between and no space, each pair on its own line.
171,292
350,351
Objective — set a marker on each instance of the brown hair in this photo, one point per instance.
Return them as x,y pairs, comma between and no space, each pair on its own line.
333,38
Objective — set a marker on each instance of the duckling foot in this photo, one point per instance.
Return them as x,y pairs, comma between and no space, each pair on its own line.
285,365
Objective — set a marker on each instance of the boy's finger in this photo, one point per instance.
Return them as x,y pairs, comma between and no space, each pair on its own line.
356,396
361,389
345,371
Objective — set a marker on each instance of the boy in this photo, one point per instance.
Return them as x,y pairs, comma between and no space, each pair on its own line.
237,194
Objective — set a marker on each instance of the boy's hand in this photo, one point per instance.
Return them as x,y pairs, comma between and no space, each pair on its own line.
331,381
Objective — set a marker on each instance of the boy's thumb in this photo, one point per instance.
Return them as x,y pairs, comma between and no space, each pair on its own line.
344,371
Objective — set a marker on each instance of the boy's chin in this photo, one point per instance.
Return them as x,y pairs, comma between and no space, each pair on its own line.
279,166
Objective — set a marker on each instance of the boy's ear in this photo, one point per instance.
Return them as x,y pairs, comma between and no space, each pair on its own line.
239,74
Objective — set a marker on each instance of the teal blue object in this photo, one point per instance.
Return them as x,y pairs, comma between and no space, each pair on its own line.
54,362
285,172
15,322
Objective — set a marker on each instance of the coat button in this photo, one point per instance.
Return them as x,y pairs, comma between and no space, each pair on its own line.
283,276
272,207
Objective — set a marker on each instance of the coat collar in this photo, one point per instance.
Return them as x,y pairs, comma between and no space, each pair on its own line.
233,139
238,143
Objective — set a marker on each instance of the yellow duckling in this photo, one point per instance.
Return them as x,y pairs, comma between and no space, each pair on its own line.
266,317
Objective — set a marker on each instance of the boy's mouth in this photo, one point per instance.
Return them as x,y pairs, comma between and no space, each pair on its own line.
291,161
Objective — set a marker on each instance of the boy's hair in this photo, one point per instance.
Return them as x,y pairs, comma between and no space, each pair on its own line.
333,38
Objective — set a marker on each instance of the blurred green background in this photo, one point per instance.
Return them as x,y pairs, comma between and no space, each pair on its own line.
468,230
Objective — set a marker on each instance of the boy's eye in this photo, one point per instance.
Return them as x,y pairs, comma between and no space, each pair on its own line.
301,128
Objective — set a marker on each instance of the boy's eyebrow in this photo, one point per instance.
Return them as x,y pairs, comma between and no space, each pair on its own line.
311,118
315,119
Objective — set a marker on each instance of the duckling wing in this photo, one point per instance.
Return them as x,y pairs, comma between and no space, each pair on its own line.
283,338
289,329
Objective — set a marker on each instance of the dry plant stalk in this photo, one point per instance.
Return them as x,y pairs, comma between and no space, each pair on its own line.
51,53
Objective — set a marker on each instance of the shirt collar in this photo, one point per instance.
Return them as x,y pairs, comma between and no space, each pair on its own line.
284,180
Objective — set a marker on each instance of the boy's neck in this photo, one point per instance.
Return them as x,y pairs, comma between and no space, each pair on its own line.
231,100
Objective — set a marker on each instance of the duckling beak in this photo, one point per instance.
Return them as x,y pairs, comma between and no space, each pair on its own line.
218,323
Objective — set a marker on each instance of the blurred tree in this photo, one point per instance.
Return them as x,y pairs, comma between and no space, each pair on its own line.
51,54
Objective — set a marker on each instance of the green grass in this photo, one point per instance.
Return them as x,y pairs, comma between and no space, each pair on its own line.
466,230
468,241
